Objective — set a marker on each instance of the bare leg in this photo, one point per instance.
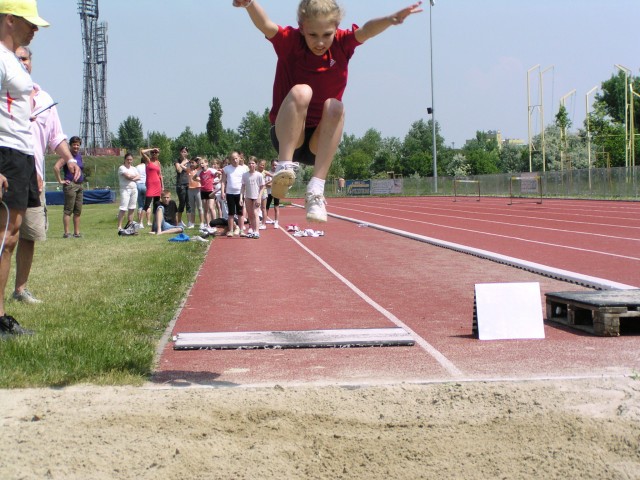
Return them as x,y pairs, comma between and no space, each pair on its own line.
326,139
24,260
120,218
76,224
66,221
291,120
13,232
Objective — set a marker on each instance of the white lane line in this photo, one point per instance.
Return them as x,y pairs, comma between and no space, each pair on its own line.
509,224
484,233
546,270
439,357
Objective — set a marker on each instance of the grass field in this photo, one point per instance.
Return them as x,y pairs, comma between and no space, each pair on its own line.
107,301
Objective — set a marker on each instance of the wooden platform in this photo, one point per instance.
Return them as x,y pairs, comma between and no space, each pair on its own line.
596,312
338,338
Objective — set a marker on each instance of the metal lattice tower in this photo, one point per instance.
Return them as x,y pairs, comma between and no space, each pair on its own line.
94,124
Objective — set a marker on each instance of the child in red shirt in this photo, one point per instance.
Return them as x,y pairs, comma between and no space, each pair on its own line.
307,116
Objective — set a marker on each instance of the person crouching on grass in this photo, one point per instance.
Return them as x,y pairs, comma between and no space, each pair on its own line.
307,117
165,220
251,193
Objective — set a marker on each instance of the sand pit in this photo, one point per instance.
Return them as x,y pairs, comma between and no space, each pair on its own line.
535,429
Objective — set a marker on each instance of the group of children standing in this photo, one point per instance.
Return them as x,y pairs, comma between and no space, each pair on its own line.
224,193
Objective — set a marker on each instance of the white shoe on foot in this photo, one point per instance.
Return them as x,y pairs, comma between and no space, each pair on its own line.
316,207
276,224
284,177
26,297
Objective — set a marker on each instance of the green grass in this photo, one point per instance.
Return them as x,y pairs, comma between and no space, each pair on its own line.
107,302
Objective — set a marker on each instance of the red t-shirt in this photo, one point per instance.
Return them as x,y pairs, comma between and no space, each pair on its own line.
326,75
206,180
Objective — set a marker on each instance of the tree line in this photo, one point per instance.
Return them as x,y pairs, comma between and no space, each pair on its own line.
373,155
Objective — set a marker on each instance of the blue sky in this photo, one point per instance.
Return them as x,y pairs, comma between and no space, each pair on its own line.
165,65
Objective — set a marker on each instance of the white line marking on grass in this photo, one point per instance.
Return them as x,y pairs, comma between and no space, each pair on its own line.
439,357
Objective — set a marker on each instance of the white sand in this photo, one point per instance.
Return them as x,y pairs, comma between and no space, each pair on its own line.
537,429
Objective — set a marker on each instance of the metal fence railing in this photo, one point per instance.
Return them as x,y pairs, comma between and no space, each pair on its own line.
604,183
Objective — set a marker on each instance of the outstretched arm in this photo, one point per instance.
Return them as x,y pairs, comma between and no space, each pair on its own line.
258,16
378,25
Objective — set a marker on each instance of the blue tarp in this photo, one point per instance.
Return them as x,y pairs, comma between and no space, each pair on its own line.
90,197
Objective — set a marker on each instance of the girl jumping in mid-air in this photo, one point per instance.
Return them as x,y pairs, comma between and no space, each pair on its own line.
307,116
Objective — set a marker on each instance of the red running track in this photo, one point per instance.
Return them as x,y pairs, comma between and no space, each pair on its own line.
595,238
356,277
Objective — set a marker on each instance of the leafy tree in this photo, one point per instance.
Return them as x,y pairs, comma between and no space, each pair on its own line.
482,154
563,123
513,159
255,135
562,120
607,139
562,153
230,140
355,155
458,166
612,98
186,139
203,147
215,130
388,157
417,151
607,123
164,143
130,134
356,165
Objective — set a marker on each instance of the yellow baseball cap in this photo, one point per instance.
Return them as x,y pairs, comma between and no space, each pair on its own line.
26,9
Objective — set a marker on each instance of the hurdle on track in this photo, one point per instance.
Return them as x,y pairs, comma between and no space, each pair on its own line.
457,181
528,185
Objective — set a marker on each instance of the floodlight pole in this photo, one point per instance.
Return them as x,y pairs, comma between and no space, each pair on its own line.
433,115
564,130
626,71
586,104
544,151
529,112
633,130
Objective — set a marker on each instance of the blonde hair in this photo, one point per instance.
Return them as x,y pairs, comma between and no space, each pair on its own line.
311,9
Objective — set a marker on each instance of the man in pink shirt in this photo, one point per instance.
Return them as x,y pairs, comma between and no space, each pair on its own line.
46,132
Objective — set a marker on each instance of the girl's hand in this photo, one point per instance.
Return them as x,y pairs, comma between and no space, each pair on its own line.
399,17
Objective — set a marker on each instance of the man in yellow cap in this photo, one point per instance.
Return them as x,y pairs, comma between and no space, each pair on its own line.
19,21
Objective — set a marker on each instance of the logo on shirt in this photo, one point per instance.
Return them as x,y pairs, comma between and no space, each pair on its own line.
332,63
10,100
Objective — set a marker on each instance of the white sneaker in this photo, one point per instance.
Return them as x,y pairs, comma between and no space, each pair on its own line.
202,226
190,225
284,177
262,227
316,207
276,224
26,297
